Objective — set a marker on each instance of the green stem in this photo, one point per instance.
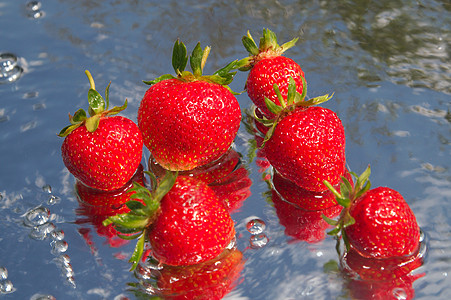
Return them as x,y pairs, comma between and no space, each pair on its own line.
91,80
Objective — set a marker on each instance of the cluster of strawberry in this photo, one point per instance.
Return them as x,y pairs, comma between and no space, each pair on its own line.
305,144
188,123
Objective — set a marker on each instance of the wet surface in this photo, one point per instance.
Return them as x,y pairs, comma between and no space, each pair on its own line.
388,63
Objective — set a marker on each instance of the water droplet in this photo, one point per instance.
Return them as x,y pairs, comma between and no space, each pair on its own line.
42,297
6,287
258,240
34,5
40,232
67,270
52,200
9,70
71,281
59,247
422,235
58,235
47,188
37,216
399,293
62,260
143,272
3,273
256,226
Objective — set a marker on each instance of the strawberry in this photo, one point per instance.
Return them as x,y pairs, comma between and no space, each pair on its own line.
183,220
101,151
377,222
305,143
301,224
189,120
209,280
268,67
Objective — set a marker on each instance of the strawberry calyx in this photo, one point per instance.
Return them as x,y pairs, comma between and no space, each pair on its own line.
98,108
347,195
197,61
136,223
268,47
293,101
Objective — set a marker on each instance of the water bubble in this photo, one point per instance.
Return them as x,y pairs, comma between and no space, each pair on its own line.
42,297
67,270
58,235
71,281
40,232
47,188
37,216
59,247
34,5
143,272
256,226
3,273
9,70
52,200
34,9
62,260
399,293
258,240
6,287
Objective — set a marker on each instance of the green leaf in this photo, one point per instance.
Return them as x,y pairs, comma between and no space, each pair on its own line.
138,208
129,237
332,189
282,101
363,178
272,107
79,116
137,252
249,44
268,40
179,57
289,44
304,88
329,220
205,54
107,95
92,123
117,109
166,183
346,240
334,231
129,221
161,78
291,91
96,102
68,129
196,60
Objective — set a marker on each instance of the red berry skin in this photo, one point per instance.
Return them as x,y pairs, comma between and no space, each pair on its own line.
188,124
267,72
385,226
308,147
106,158
193,226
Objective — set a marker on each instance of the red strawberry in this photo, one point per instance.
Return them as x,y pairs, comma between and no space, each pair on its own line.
210,280
305,143
189,120
101,151
377,223
308,200
301,224
268,67
182,218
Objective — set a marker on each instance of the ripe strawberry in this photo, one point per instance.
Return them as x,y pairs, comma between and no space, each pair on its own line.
182,218
305,143
268,67
189,120
377,223
209,280
102,152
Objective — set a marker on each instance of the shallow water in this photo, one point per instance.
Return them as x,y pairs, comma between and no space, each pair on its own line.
388,63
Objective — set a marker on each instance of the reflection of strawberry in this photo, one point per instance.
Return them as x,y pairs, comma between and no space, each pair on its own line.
376,222
96,206
268,67
210,280
303,198
372,278
182,218
301,224
101,151
189,120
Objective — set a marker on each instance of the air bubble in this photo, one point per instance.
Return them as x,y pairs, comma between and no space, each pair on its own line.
3,273
40,232
37,216
9,70
58,235
256,226
34,5
399,293
6,287
52,200
59,247
71,281
258,241
34,10
47,188
42,297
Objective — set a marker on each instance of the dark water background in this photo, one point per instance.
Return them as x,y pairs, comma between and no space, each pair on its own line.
388,63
